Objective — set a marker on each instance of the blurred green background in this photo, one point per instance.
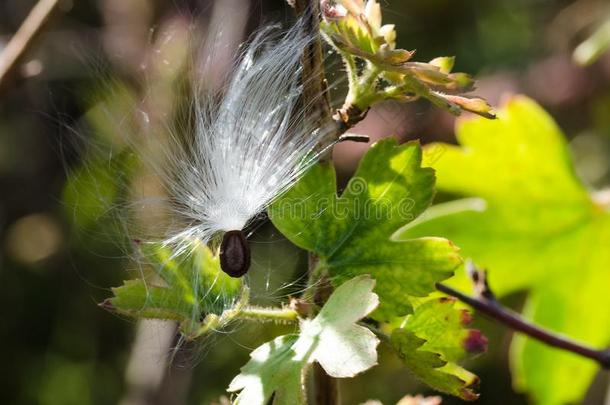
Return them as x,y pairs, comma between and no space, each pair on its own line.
103,69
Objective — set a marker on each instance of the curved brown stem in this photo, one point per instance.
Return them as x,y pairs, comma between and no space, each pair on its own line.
487,305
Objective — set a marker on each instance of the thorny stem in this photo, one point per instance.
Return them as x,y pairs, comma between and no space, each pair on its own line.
242,310
363,94
284,315
314,79
325,389
24,37
486,304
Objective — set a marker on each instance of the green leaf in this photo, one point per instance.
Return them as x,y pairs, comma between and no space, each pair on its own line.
94,189
542,231
444,63
351,234
444,329
354,28
138,300
433,339
431,368
190,286
332,339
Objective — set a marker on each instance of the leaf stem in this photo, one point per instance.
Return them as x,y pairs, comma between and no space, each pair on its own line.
214,322
362,92
488,305
285,315
384,337
242,310
350,67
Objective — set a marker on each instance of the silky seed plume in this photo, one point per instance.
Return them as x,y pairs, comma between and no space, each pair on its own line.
249,147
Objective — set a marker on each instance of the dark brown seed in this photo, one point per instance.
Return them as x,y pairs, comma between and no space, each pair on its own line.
234,254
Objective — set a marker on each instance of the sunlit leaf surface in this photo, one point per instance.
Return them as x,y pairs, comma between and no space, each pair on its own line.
542,231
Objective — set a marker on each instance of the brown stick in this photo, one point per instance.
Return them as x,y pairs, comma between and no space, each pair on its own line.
315,95
24,37
315,87
487,304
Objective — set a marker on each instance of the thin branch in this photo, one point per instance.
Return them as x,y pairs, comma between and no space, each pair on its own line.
281,315
24,37
486,304
325,390
315,93
354,138
315,89
315,84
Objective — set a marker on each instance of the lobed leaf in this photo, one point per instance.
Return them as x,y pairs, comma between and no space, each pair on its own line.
352,233
542,231
433,339
431,368
333,339
190,287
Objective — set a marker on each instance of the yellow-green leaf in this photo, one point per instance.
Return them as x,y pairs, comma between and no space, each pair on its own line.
542,231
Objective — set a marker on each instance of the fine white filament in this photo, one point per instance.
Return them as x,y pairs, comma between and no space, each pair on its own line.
252,145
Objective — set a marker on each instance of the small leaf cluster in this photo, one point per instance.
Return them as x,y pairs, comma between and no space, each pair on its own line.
354,28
